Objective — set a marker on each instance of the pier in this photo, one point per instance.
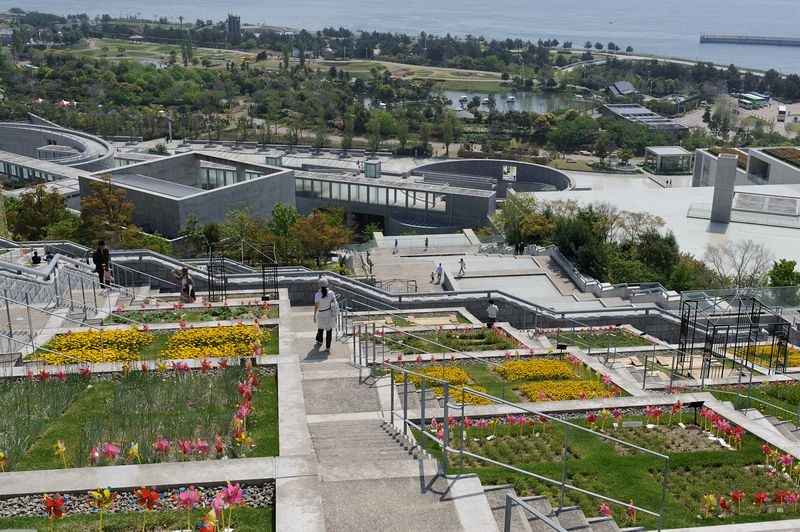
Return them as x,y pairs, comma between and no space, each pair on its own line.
745,39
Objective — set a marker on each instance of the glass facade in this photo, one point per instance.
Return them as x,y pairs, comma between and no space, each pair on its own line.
14,172
370,194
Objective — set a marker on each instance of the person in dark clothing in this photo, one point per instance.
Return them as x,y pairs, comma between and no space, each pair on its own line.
36,259
101,259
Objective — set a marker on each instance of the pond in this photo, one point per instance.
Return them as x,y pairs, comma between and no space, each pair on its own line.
538,102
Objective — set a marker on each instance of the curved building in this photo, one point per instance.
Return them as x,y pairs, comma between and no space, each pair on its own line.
46,141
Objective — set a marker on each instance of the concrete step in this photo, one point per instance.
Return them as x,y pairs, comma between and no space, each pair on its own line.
572,519
789,430
365,453
347,468
541,503
603,524
496,495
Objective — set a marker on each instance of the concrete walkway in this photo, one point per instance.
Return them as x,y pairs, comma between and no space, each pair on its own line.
369,476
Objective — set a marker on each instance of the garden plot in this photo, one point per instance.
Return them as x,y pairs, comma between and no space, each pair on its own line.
195,313
58,421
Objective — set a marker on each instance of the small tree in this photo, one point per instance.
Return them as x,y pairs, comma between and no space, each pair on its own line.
739,263
105,212
318,238
348,131
598,46
37,209
320,135
783,273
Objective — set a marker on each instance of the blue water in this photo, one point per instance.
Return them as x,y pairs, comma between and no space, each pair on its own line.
665,27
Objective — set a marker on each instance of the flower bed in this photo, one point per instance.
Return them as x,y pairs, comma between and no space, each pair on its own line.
459,339
454,375
761,355
601,338
247,507
178,313
718,473
143,416
138,344
564,390
518,370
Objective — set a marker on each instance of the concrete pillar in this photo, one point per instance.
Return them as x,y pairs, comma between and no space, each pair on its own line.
723,189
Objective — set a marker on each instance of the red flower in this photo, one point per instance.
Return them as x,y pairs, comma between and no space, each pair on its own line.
205,366
223,363
54,506
148,498
760,498
737,495
43,375
591,418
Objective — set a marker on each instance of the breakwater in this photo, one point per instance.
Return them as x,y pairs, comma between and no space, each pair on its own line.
746,39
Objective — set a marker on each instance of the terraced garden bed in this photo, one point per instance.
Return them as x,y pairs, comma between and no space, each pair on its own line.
459,339
178,314
609,337
57,420
709,482
536,379
140,344
414,319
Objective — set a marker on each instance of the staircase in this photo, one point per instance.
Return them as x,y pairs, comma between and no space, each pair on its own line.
786,428
570,518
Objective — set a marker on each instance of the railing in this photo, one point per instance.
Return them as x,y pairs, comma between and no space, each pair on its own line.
444,443
512,500
765,407
402,286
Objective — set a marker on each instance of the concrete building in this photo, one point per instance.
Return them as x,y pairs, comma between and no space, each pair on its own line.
668,160
642,115
759,166
166,191
621,88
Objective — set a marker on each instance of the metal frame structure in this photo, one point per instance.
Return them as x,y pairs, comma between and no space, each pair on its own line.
727,329
261,257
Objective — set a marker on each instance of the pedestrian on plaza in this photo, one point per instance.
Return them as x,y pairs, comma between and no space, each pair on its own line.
426,243
433,275
101,259
439,273
187,285
36,259
396,246
491,314
462,267
326,309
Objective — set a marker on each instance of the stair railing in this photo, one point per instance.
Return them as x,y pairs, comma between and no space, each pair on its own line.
400,386
512,500
765,407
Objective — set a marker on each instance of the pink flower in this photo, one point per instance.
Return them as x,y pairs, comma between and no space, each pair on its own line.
201,446
482,423
233,495
606,379
605,510
188,498
146,327
185,448
110,452
162,446
452,358
617,413
94,456
85,372
218,505
219,448
61,375
419,358
182,324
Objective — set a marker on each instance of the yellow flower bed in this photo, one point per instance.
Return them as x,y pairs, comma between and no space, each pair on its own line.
763,352
563,390
457,393
214,342
130,340
451,374
519,370
89,355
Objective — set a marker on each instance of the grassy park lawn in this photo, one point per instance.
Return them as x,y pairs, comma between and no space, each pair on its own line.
564,164
597,339
697,467
193,315
136,408
245,520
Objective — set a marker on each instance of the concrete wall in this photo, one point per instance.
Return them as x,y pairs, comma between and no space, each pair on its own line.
182,170
528,175
705,171
777,172
25,138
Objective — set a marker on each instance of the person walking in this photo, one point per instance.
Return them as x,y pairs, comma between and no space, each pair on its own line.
187,285
325,309
439,272
101,259
396,246
426,243
462,267
491,314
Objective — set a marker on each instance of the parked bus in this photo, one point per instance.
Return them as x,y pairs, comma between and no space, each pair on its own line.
781,113
745,104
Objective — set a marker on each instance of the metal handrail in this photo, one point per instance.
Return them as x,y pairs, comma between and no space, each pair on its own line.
512,499
444,443
794,415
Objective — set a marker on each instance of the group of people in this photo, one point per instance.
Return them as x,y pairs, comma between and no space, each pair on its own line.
36,259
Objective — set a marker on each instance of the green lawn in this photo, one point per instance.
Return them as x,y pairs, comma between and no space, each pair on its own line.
194,315
785,396
135,408
696,467
244,520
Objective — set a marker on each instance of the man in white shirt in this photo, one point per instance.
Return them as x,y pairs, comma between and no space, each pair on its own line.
491,312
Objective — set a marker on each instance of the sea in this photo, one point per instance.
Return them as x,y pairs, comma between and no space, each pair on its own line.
669,28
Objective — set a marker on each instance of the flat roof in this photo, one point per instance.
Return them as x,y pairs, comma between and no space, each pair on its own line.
151,184
398,184
667,150
643,115
41,165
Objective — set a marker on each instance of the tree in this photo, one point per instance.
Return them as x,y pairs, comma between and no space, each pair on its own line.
509,219
283,219
424,132
598,45
320,135
587,45
739,263
106,214
625,155
782,273
449,131
629,49
370,229
601,148
348,131
402,134
37,209
319,239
